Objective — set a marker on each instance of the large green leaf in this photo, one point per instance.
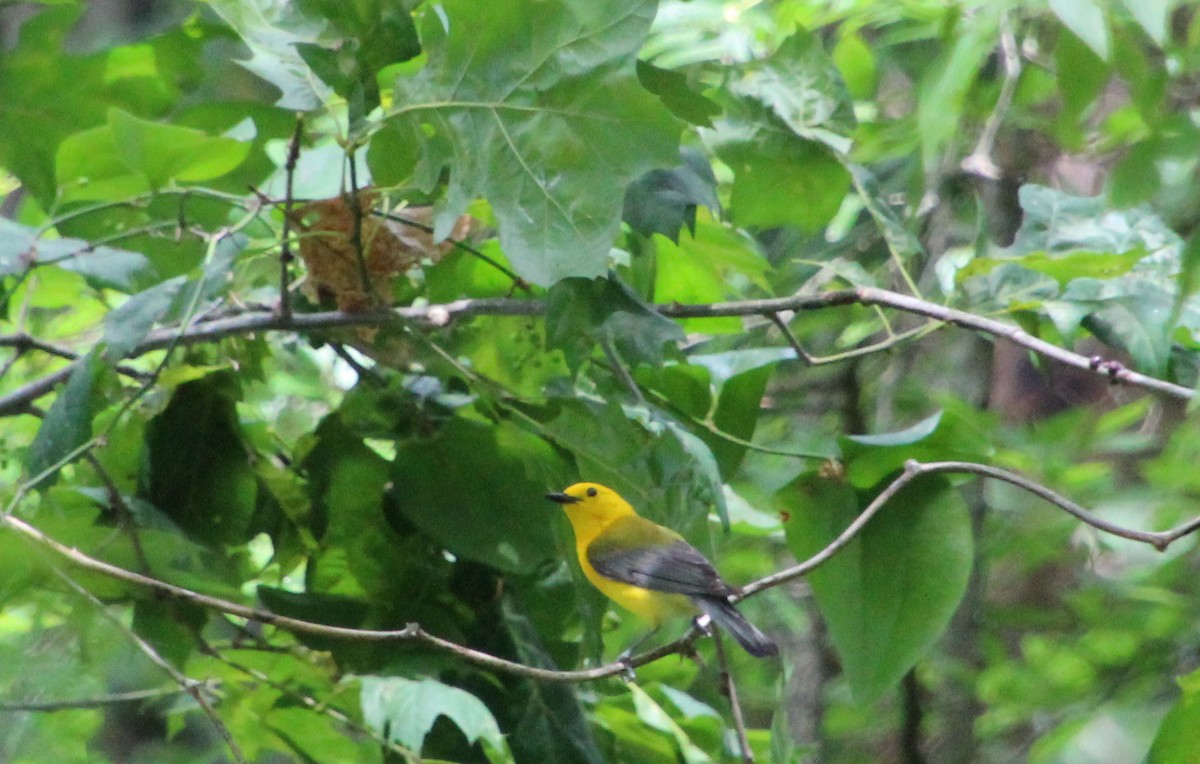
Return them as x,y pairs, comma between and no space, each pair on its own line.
1175,742
361,555
582,313
1087,20
273,32
643,459
888,595
129,156
493,512
196,467
68,423
950,434
537,107
32,122
552,723
405,709
803,89
716,263
1115,271
665,201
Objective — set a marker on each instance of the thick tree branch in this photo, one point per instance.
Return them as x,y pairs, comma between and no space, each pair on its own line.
442,314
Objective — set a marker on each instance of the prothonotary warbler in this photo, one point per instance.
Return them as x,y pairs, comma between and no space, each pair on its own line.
648,569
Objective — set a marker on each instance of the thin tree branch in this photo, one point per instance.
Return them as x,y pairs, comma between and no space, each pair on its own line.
410,633
980,162
442,314
285,250
24,342
121,509
1160,540
619,370
356,234
100,701
414,633
518,282
187,684
730,691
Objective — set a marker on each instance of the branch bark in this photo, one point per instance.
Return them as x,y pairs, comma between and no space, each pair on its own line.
442,314
414,633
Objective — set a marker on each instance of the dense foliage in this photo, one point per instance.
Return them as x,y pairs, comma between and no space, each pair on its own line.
305,305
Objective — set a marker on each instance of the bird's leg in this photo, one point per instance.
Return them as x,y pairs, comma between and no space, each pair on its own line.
628,652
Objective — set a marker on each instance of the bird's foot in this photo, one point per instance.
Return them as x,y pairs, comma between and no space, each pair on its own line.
625,659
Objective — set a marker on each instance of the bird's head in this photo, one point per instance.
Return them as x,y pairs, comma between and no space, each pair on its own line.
591,503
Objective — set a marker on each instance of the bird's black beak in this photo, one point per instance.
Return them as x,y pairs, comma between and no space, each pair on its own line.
562,498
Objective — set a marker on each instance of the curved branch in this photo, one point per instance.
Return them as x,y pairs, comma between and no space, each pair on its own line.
410,633
414,633
913,469
443,314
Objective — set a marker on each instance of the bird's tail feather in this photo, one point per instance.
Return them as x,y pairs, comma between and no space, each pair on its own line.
725,615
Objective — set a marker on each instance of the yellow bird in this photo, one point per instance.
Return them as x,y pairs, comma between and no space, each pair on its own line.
647,569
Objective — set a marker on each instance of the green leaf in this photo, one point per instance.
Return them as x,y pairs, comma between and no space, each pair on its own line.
1133,315
552,724
582,313
742,377
1175,742
1152,16
1056,222
802,88
168,153
1076,63
498,513
888,595
126,326
944,88
102,267
856,63
365,37
196,466
545,119
656,717
676,94
272,31
718,263
361,555
68,423
1063,268
1086,19
130,156
779,180
664,201
947,435
32,124
404,710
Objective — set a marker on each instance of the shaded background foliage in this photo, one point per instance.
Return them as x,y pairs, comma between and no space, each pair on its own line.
1030,162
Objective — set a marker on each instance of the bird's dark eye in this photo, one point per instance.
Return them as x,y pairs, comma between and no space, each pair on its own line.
592,492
